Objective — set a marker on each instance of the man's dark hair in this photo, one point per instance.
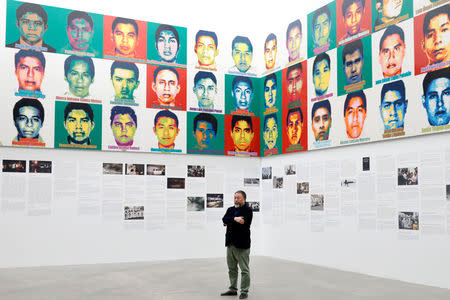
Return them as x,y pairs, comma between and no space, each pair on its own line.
123,110
347,3
166,27
161,68
165,113
271,77
323,10
351,48
320,104
28,102
294,24
76,14
203,75
319,58
244,195
86,59
117,64
433,75
358,94
29,53
238,79
443,10
242,39
398,86
294,67
267,117
270,37
211,34
391,30
205,117
120,20
292,111
237,118
32,8
79,106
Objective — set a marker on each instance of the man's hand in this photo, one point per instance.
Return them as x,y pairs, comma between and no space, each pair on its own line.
240,220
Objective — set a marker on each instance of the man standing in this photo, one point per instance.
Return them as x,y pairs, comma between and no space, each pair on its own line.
238,219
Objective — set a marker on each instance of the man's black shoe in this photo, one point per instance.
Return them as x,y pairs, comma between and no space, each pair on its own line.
243,296
230,293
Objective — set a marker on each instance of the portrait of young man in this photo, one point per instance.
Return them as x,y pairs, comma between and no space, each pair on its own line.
321,120
29,70
207,48
270,51
242,95
294,37
355,112
392,50
436,96
389,12
31,21
241,130
393,107
123,122
204,131
167,43
294,87
79,73
433,47
242,54
270,134
322,29
321,73
28,117
355,21
79,123
270,93
80,33
166,128
294,129
125,80
205,90
166,87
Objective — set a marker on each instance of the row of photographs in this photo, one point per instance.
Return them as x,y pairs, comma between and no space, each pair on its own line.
40,27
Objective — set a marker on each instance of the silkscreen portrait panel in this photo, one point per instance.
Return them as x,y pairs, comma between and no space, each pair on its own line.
322,117
294,85
167,44
241,95
205,133
295,128
271,137
168,130
242,57
389,12
205,90
204,49
322,29
241,136
322,78
354,20
126,83
271,88
295,41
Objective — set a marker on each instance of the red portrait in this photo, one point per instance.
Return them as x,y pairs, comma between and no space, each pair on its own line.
242,136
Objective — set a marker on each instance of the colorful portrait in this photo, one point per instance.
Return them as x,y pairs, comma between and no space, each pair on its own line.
206,49
322,76
124,124
167,44
271,134
393,108
436,97
205,93
28,117
353,20
242,55
125,80
270,52
79,75
355,113
168,132
322,29
29,71
271,89
240,95
241,135
294,85
294,129
294,39
205,133
389,12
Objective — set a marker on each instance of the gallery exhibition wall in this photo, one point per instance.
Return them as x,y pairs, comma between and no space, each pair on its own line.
377,185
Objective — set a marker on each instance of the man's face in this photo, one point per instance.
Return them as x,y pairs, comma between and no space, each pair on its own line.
123,128
294,84
79,78
242,56
206,92
31,27
391,55
294,128
270,93
242,94
28,123
393,110
78,125
124,83
391,9
206,50
353,17
270,133
437,102
167,46
238,200
293,43
166,131
436,42
166,87
29,73
321,77
321,124
322,28
242,135
80,34
353,67
204,134
270,54
355,115
125,39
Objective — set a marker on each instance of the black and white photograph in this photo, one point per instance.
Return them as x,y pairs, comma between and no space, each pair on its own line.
214,200
175,183
277,182
112,169
196,171
133,212
289,170
448,192
366,163
266,173
134,169
302,187
40,166
254,205
251,181
14,166
408,176
156,170
195,203
408,220
348,183
317,202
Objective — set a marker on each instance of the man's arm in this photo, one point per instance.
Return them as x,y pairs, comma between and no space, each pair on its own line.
248,217
228,218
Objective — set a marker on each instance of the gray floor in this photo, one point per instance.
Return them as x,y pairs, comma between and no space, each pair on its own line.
201,279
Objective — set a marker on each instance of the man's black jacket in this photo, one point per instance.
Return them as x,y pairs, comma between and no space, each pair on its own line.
238,234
